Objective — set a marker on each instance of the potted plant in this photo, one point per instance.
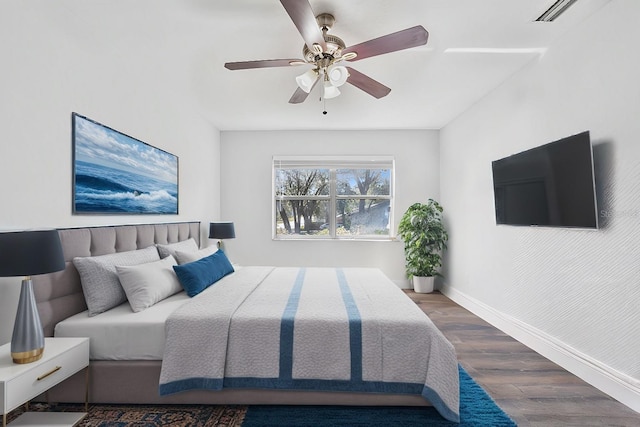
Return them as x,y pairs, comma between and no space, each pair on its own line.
424,238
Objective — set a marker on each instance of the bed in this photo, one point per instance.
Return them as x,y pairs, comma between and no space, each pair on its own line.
349,345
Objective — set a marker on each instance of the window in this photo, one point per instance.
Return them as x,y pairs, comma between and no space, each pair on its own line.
333,197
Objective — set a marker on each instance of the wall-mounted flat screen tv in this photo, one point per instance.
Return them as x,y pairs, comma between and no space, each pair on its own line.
552,185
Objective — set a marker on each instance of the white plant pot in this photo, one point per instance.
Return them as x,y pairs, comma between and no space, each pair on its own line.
423,285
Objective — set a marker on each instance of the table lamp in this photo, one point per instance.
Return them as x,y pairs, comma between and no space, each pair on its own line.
27,253
221,230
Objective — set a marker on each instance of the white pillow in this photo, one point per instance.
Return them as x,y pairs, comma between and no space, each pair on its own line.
147,284
185,257
100,284
189,245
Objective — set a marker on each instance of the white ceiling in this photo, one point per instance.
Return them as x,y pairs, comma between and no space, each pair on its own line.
190,40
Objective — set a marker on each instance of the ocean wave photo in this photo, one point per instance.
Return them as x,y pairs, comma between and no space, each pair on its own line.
129,177
99,188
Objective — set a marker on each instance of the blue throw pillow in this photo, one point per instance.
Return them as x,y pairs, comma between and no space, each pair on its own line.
197,276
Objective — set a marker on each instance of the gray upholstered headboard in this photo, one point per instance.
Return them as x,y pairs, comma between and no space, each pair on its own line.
59,295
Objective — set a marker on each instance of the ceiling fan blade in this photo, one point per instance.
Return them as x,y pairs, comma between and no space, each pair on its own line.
267,63
300,95
367,84
305,21
405,39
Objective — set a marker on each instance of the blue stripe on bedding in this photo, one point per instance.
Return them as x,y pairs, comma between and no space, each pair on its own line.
324,385
286,328
355,326
190,384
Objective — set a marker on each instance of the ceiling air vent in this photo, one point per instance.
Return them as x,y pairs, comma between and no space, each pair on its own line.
556,9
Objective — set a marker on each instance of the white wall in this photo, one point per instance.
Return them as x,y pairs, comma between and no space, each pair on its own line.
246,193
48,71
576,290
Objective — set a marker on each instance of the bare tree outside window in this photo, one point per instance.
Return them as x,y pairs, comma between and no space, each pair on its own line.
332,201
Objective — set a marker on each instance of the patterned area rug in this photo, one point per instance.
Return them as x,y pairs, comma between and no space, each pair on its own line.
149,415
477,409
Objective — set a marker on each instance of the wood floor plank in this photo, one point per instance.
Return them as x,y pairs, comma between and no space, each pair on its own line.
534,391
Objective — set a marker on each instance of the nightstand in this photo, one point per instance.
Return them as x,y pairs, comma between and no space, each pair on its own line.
19,384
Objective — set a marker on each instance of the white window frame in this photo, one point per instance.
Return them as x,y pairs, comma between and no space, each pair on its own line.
333,163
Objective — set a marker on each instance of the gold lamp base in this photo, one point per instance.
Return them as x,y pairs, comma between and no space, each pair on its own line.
27,356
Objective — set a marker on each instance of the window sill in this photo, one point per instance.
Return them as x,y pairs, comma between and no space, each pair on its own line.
334,239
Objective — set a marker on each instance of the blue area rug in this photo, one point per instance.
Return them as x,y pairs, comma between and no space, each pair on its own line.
477,409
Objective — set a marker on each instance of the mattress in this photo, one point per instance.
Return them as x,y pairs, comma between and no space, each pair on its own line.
121,334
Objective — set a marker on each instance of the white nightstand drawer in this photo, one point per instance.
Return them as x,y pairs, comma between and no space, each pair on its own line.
55,366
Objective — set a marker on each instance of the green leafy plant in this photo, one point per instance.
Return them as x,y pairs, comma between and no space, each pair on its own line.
424,238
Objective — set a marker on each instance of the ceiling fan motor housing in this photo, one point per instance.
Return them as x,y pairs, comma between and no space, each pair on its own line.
334,44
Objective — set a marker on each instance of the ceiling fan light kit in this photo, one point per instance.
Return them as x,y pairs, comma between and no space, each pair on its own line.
326,53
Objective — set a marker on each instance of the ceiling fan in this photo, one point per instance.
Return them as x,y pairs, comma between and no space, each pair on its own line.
326,53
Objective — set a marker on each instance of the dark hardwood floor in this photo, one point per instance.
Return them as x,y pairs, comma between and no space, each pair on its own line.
531,389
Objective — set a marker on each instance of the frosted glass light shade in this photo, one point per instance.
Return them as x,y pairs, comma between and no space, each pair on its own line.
330,91
338,75
305,81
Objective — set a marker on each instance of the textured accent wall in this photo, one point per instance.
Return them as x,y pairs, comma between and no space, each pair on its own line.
580,287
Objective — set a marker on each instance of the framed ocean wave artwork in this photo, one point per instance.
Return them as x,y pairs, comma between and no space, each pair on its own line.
114,173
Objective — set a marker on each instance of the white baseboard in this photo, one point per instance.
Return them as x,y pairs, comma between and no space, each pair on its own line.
618,385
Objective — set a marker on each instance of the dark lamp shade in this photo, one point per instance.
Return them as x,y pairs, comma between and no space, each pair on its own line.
221,230
27,253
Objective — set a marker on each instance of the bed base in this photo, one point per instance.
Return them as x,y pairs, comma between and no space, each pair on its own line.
136,382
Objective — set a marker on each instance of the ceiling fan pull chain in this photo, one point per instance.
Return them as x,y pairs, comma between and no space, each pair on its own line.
324,105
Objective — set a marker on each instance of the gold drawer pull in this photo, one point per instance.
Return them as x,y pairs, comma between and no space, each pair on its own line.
51,372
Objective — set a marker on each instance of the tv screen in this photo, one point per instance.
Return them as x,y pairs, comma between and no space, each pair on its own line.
551,185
